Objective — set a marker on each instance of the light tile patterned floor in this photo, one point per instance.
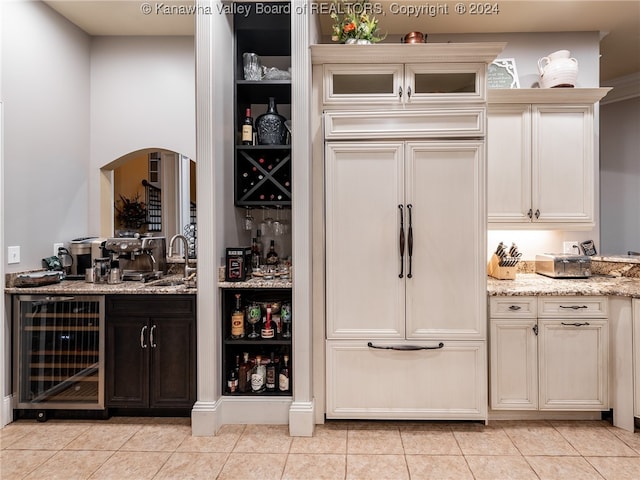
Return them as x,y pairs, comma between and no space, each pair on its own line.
163,448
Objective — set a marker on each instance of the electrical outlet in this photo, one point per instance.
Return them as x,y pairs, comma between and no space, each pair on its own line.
570,247
56,246
13,255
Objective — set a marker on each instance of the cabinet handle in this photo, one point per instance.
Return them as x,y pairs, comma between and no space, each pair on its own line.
537,213
404,347
142,330
530,213
400,92
535,330
409,93
401,241
576,324
515,307
410,241
151,339
574,307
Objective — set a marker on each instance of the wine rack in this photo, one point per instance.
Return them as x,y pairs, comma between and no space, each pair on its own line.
60,351
263,175
259,346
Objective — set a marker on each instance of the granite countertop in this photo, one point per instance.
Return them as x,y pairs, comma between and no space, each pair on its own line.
534,284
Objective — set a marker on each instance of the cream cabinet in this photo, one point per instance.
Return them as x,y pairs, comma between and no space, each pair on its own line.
542,151
636,356
552,355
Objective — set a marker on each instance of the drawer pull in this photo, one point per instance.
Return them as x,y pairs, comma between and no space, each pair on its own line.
142,343
515,307
574,307
576,324
404,347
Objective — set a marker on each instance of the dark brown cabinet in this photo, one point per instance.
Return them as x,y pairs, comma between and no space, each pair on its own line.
151,352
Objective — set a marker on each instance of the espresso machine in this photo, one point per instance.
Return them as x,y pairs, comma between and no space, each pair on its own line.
143,258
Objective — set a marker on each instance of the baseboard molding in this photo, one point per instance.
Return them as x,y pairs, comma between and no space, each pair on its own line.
205,419
302,419
6,416
542,415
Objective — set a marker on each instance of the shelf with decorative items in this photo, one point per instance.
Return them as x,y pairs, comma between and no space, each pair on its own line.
262,166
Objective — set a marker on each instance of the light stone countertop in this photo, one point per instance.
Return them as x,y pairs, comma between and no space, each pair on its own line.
534,284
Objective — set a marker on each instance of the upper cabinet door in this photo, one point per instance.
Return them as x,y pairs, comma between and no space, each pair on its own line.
445,182
509,163
445,82
563,163
364,187
362,84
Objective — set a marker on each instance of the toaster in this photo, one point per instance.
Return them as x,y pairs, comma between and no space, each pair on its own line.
563,265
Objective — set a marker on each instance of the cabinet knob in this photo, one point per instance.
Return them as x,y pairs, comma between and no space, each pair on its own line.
515,307
400,92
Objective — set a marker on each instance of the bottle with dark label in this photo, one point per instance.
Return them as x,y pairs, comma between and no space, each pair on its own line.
244,374
283,376
271,374
237,320
272,255
247,128
232,379
258,375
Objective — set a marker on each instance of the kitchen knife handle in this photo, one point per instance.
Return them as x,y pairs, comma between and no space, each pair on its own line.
530,213
405,347
401,241
410,241
583,324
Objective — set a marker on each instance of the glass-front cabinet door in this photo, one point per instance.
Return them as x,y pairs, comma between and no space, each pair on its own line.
398,84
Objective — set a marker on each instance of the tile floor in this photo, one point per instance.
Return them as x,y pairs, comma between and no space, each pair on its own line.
163,448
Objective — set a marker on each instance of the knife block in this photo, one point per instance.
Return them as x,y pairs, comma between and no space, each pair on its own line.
501,273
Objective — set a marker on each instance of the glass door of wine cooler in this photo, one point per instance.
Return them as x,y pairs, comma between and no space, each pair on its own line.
59,352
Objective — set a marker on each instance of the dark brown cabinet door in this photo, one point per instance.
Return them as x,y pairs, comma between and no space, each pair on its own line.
173,368
127,369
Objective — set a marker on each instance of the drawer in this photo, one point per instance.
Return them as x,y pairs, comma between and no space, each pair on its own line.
443,383
151,305
569,307
513,307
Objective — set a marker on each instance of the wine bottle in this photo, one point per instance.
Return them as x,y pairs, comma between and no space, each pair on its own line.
258,375
272,256
244,373
271,374
237,320
247,128
283,376
232,380
255,253
260,246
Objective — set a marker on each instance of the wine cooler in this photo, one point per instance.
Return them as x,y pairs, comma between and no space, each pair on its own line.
59,352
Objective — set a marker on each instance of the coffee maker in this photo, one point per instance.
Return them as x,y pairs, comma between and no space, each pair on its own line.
83,251
141,258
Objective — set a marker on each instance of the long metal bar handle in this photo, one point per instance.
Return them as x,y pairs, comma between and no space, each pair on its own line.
410,241
151,339
142,330
574,307
576,324
401,241
405,347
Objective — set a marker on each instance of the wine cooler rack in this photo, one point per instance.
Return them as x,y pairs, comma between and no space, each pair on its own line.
60,351
232,348
263,175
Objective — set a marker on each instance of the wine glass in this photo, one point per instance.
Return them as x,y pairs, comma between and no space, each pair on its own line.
278,225
285,316
254,314
267,222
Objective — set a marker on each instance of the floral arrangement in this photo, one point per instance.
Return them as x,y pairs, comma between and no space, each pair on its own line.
354,21
132,213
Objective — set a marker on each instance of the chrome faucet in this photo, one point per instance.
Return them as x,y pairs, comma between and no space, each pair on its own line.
189,272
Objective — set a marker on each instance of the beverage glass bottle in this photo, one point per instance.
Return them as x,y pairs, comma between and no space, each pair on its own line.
272,256
268,330
247,128
283,376
237,320
270,381
244,373
258,375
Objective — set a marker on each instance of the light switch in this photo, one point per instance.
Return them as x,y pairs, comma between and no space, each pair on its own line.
13,255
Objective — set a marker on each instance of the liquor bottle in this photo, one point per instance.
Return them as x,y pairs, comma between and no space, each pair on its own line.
283,376
237,320
259,244
268,330
258,375
272,256
244,373
255,253
247,128
232,380
271,374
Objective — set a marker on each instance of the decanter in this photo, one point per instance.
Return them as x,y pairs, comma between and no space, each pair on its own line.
270,126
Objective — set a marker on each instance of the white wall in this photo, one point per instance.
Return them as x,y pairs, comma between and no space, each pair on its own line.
620,176
142,96
45,91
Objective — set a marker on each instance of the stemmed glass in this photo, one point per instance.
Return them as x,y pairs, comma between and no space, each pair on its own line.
285,316
254,314
267,222
278,225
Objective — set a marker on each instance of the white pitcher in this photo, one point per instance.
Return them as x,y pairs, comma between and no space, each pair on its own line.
558,69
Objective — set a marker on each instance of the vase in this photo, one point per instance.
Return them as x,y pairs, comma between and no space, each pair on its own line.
558,69
357,41
270,126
